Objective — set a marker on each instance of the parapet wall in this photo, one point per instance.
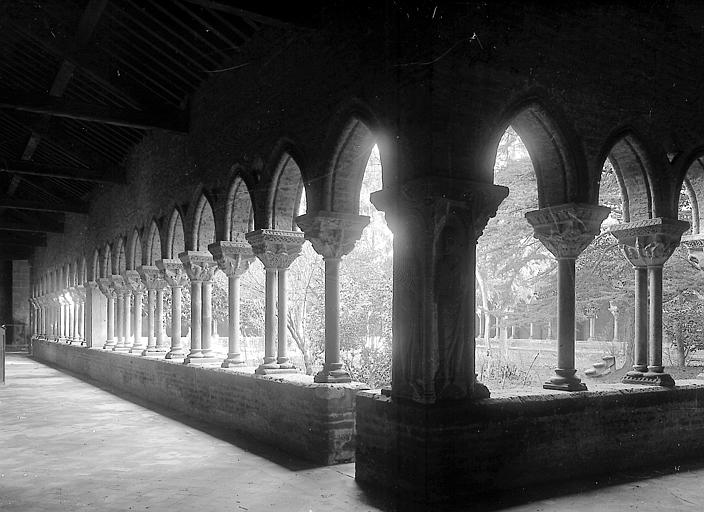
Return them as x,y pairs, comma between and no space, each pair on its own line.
312,421
450,453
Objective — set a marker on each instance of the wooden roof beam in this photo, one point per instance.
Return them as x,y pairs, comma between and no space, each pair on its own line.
39,206
53,171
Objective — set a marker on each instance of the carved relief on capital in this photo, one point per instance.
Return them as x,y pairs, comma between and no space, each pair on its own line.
332,234
649,242
107,288
152,277
566,230
199,265
133,281
433,196
232,257
119,285
173,272
276,248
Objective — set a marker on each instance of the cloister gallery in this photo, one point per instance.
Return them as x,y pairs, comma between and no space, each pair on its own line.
148,148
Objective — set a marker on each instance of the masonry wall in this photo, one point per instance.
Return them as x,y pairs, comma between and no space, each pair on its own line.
311,421
450,453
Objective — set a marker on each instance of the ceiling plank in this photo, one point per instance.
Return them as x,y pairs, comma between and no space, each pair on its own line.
53,171
223,7
39,206
166,119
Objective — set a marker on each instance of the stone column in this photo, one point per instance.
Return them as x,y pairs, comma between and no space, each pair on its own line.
436,221
591,312
122,314
175,276
276,249
200,267
531,335
106,287
566,230
332,235
613,309
80,317
63,317
233,258
155,283
647,245
133,281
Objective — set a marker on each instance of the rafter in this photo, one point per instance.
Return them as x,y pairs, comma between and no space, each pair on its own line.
224,7
173,120
22,239
38,206
53,171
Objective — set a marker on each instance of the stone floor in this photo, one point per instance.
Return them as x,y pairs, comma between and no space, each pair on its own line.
67,445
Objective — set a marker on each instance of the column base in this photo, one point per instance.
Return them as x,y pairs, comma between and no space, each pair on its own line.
154,353
565,381
649,379
196,361
124,350
175,354
109,344
275,369
137,350
480,391
332,376
233,360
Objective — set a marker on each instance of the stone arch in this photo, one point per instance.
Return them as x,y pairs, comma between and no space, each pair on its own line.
83,271
633,167
692,180
120,257
73,273
106,264
239,210
286,192
152,244
203,224
134,252
176,236
354,139
560,169
94,268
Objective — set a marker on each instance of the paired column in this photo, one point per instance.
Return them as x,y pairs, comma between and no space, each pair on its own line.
175,276
591,312
122,314
566,230
106,287
155,283
200,267
276,249
133,282
233,258
332,235
647,245
436,221
613,309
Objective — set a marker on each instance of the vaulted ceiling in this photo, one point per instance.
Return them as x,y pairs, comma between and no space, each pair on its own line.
82,81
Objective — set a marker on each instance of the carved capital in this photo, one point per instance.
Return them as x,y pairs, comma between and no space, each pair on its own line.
649,242
232,257
199,265
119,284
275,248
695,248
173,272
107,288
152,277
567,229
435,196
133,281
332,234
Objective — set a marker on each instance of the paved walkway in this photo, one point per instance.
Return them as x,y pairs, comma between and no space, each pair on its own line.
66,445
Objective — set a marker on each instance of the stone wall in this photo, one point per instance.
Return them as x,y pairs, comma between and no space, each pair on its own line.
450,453
312,421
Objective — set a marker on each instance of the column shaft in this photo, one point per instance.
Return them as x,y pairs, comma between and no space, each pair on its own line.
641,320
119,324
234,355
655,327
137,345
159,320
196,319
207,319
269,317
282,353
110,342
151,303
176,350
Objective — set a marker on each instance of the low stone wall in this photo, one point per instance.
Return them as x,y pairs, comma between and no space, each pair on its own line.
450,453
312,421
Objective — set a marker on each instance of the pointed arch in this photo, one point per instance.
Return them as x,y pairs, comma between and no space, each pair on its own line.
106,265
560,167
203,226
691,170
134,252
94,269
176,236
152,247
120,257
354,138
634,170
287,191
83,271
239,210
